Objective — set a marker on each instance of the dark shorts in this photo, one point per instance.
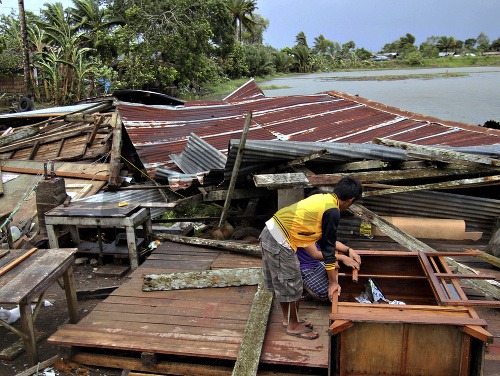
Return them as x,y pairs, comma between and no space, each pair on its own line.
281,269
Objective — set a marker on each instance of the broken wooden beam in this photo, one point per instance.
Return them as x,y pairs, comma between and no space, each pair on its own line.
236,168
462,183
248,249
202,279
361,165
248,358
444,155
301,180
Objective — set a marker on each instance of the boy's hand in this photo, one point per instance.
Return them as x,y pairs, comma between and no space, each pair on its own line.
333,288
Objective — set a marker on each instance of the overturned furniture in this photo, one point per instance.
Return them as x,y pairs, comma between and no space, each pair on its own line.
436,332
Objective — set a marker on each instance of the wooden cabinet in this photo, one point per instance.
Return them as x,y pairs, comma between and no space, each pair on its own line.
435,334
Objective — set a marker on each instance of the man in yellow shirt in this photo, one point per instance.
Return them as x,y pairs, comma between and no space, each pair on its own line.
312,220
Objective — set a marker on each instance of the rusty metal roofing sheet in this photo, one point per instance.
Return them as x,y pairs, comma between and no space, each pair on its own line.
326,117
249,90
198,155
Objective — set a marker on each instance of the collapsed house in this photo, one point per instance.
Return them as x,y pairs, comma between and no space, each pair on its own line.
253,154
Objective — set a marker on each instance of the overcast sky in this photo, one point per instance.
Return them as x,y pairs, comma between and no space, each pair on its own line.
373,23
369,23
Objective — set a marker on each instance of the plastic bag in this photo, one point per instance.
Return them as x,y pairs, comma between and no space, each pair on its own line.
373,294
10,316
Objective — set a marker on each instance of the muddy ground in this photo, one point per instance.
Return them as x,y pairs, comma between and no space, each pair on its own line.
50,318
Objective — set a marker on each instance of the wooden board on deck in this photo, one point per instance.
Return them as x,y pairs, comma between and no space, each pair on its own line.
201,323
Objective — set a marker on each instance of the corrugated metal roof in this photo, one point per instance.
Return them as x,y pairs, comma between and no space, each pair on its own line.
132,196
326,117
198,155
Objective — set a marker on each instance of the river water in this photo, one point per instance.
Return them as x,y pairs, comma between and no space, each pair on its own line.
473,98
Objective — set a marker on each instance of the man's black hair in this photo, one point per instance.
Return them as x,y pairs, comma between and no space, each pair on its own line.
347,188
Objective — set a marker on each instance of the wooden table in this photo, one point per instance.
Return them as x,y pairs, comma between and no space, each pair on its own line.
100,214
28,281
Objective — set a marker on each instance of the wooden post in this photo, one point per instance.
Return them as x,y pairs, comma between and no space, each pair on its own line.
236,167
116,150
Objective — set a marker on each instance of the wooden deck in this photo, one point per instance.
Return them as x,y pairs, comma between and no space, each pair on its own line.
198,331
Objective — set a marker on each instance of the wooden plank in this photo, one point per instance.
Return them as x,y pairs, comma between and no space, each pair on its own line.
361,165
388,175
137,340
445,155
99,171
478,332
253,250
247,361
462,183
164,367
339,326
203,279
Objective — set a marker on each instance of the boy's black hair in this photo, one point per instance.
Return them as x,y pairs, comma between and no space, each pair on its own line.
347,188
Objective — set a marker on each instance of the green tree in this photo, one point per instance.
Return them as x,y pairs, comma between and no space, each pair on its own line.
259,60
242,14
95,22
301,39
363,54
495,45
183,37
415,58
446,44
322,45
256,35
403,46
483,42
283,61
10,55
428,50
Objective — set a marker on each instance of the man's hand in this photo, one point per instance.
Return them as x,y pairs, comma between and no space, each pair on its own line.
333,288
354,255
349,262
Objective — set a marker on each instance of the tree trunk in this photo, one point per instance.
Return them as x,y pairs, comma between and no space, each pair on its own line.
26,53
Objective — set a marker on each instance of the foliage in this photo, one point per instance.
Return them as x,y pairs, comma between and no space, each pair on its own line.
242,16
283,61
259,60
236,63
415,58
179,35
95,45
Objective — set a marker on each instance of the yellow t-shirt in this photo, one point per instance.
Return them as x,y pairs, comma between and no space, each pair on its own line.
313,219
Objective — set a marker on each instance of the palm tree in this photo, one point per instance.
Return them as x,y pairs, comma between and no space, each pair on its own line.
322,45
242,13
301,39
93,20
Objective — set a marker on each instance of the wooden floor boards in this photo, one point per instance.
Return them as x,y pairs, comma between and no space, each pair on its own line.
196,323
